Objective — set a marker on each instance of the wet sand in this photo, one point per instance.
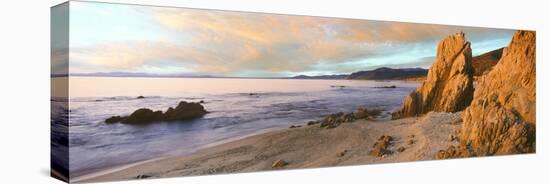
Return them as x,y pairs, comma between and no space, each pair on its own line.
304,147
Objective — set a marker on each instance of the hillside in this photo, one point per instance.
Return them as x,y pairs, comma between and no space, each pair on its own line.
485,62
385,73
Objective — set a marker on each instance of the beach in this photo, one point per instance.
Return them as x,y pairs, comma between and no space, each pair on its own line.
305,147
234,111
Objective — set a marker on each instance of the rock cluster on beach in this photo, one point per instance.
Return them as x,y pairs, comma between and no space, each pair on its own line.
449,84
334,120
380,148
501,118
184,111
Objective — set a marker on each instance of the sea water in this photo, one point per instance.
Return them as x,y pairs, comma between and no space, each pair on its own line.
237,108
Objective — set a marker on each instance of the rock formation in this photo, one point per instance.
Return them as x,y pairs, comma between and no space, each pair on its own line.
184,111
449,85
501,118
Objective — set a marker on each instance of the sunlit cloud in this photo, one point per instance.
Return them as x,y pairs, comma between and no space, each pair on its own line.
251,44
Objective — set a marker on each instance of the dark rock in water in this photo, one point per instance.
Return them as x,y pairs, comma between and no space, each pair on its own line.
335,86
392,86
184,111
140,97
142,116
295,126
334,120
313,123
114,119
202,101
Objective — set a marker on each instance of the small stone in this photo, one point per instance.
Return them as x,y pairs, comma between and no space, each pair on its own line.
410,142
143,176
379,151
401,149
451,138
295,126
385,138
442,154
341,154
279,163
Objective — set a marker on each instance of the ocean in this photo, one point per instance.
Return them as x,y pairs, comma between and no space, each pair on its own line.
238,108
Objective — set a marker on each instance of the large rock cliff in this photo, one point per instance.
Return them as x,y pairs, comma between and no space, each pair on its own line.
501,118
449,85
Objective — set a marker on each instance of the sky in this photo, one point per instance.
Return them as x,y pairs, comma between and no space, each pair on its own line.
161,40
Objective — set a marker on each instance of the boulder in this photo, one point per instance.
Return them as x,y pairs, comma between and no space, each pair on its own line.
449,84
142,116
184,111
361,113
501,118
114,119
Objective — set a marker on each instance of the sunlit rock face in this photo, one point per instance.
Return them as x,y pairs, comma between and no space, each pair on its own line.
501,118
449,85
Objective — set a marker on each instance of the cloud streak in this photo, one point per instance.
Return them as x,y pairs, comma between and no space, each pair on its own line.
241,44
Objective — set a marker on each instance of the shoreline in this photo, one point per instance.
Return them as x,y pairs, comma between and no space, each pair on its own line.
110,169
302,147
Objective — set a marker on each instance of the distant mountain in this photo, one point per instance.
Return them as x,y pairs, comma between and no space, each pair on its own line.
485,62
386,73
343,76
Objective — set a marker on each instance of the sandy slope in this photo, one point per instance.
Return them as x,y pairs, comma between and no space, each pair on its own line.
307,147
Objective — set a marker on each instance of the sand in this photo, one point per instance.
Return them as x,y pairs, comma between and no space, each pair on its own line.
305,147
